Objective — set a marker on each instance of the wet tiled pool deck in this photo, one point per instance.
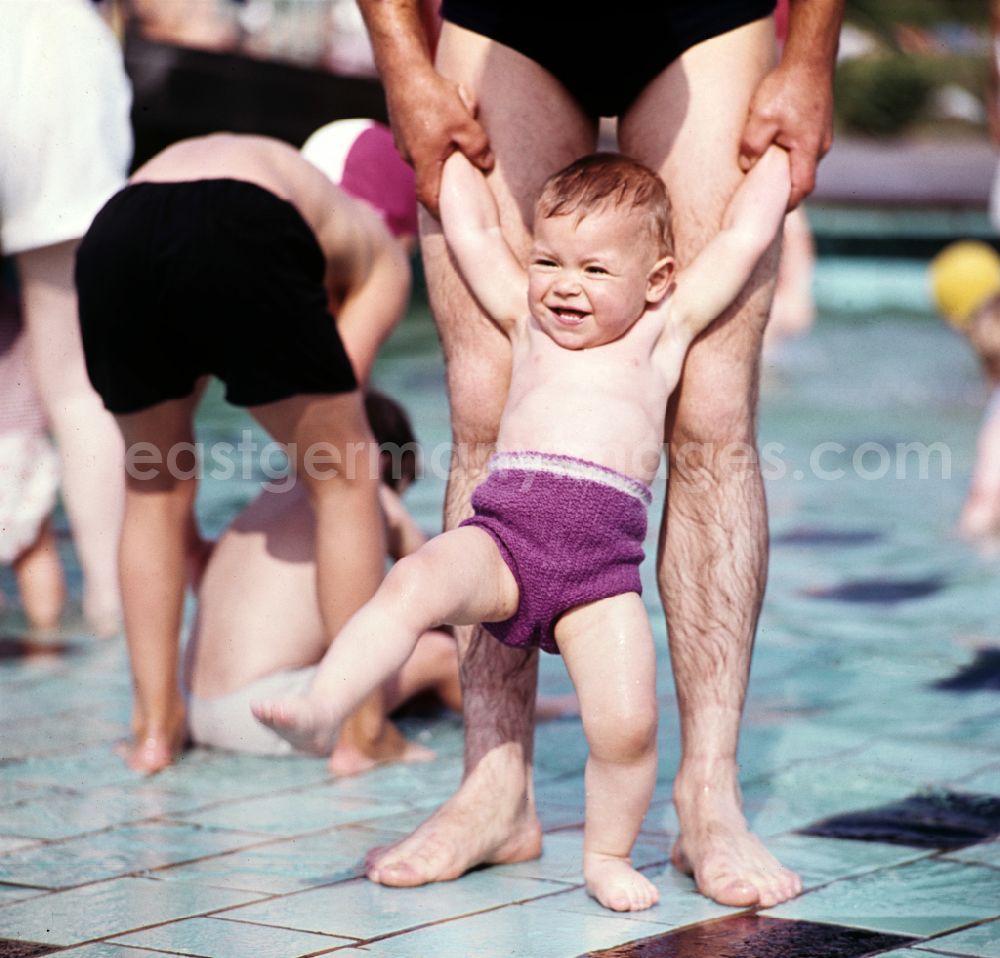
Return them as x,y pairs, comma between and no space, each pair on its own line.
874,688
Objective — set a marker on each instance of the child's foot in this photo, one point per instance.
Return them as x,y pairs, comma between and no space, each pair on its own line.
309,725
616,884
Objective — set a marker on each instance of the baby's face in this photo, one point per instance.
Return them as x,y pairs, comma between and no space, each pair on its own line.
590,280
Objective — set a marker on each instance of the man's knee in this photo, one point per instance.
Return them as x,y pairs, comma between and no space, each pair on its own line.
712,439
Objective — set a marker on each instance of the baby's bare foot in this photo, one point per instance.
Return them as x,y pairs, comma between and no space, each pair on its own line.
310,726
616,884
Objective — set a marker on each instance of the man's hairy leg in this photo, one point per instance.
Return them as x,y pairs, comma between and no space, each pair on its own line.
713,544
534,130
491,818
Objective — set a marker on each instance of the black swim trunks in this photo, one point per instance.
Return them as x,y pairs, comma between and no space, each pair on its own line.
607,59
180,280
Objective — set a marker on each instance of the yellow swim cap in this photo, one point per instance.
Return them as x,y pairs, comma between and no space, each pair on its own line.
963,276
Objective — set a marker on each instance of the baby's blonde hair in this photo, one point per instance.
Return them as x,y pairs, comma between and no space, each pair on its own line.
609,180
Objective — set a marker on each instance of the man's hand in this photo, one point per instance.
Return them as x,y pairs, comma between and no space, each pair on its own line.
431,118
792,107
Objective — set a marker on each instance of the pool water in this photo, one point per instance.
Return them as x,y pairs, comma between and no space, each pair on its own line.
874,607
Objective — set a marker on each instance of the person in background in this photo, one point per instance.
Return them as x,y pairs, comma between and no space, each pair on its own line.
258,632
965,283
230,255
65,146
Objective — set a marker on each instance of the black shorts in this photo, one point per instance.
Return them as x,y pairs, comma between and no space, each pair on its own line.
180,280
604,61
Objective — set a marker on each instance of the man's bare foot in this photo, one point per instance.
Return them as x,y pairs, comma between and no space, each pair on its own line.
616,884
309,725
477,826
727,861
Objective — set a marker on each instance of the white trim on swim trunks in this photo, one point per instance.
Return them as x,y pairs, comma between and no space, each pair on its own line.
571,468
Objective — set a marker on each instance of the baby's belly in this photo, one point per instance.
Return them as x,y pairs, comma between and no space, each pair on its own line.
633,453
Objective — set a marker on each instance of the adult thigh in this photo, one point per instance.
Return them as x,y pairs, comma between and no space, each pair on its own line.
535,128
687,125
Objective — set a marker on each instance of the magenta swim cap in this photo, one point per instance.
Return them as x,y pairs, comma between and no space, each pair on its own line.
361,158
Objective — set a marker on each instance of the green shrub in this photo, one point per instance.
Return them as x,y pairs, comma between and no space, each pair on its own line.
880,95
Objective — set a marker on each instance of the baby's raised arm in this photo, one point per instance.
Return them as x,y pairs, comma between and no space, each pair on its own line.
751,221
471,223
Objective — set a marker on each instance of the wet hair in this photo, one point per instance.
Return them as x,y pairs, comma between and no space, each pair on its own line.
398,450
608,180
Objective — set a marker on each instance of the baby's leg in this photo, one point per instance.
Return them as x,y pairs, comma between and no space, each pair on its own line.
458,577
609,652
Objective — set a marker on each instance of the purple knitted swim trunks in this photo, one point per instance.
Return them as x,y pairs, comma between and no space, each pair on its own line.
570,531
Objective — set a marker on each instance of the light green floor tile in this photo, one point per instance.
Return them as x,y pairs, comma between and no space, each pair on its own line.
987,853
62,816
110,951
229,939
13,791
925,898
110,908
821,860
421,784
926,762
808,791
286,866
215,776
90,768
11,893
983,731
362,909
763,751
983,941
294,813
514,931
9,843
986,781
124,851
58,732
